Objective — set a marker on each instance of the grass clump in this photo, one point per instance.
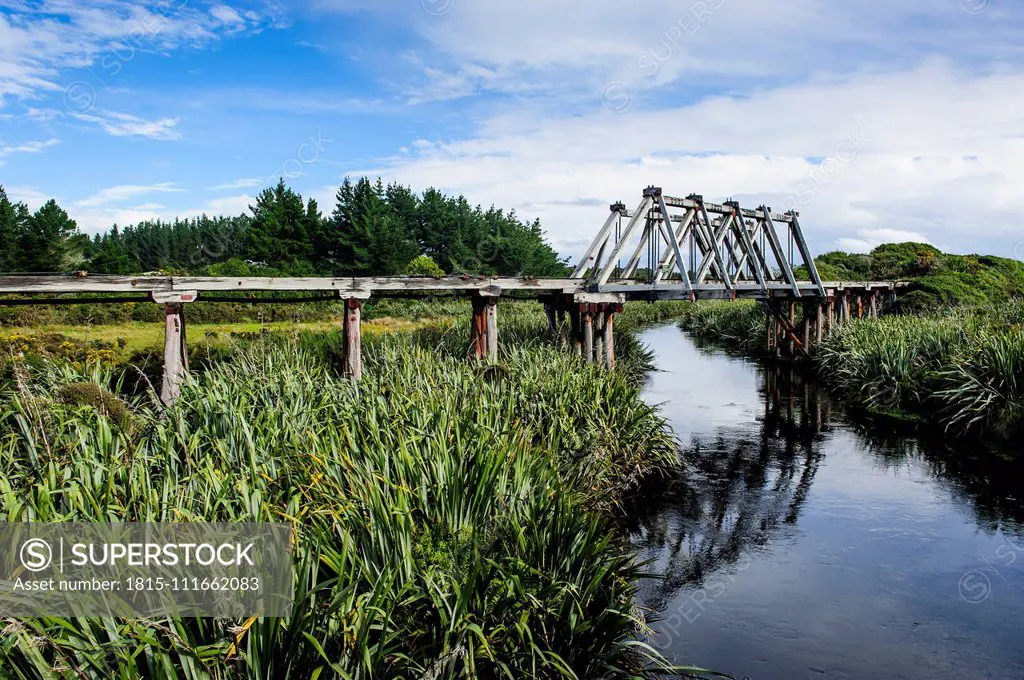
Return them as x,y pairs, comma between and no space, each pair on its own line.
963,370
736,324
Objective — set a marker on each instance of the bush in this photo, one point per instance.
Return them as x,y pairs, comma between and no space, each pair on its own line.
424,266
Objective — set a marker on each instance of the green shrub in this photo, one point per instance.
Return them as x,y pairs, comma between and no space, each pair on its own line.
423,265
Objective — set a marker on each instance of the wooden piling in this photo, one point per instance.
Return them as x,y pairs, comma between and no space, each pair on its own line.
609,337
588,333
563,337
352,333
478,329
576,328
819,322
599,317
491,308
549,309
805,325
175,353
791,315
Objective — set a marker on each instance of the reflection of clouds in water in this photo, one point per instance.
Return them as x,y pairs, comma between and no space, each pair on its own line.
723,390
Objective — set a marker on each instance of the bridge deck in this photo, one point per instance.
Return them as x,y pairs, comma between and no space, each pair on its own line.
158,287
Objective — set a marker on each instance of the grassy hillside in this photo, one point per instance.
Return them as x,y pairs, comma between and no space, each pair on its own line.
939,279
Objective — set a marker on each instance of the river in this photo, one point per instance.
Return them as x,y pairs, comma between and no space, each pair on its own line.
801,543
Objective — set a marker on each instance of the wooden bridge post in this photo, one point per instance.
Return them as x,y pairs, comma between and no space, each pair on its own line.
576,328
791,315
352,333
483,341
478,329
609,336
175,343
561,305
549,310
819,322
175,353
599,318
588,333
805,325
777,328
492,328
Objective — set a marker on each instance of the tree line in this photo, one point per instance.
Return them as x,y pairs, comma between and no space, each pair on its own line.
373,230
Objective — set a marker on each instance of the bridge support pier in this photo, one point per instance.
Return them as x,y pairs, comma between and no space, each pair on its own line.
549,309
588,333
353,357
175,352
175,345
483,342
592,328
609,335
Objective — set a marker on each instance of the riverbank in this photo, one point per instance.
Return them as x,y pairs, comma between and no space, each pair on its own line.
960,369
452,519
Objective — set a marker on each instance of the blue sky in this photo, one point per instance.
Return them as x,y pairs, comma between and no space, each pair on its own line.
877,120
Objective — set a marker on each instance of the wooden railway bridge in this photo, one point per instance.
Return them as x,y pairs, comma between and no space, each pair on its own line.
690,250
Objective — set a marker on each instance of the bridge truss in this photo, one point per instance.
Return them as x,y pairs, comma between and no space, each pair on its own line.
700,249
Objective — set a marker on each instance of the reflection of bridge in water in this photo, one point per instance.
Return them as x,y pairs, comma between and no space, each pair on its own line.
739,491
744,488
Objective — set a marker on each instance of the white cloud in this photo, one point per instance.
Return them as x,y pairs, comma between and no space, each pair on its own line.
574,47
226,15
868,239
246,183
126,125
100,215
124,192
33,197
951,178
27,147
40,40
227,205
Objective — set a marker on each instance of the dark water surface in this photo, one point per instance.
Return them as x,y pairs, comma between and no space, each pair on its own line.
804,545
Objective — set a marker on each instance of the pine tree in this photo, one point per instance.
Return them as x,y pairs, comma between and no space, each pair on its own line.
47,240
282,228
